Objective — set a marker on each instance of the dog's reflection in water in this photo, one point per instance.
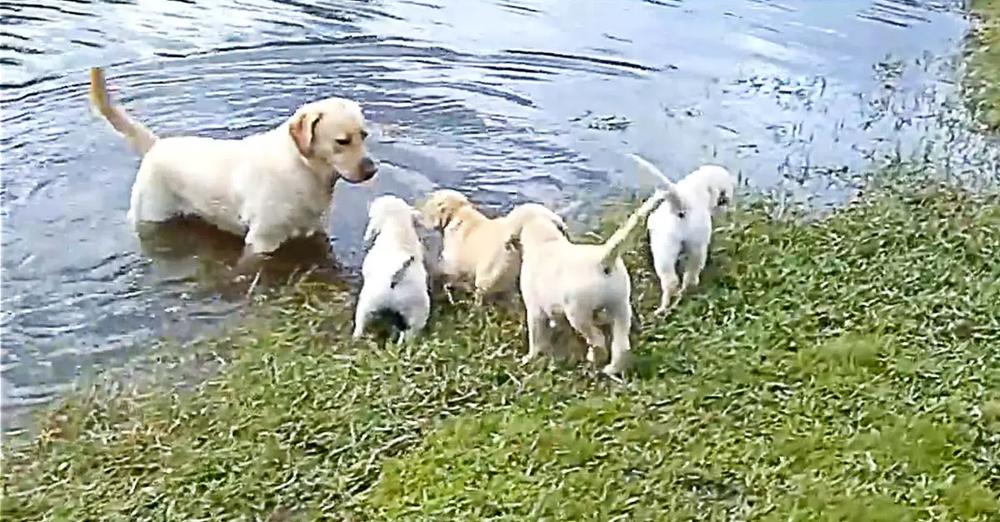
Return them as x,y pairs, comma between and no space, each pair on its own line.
188,249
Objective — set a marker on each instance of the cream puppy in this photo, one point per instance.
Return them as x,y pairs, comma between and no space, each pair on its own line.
476,248
395,280
267,187
587,284
684,232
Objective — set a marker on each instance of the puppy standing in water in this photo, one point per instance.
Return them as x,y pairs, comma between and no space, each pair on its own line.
267,187
476,247
685,230
587,284
395,280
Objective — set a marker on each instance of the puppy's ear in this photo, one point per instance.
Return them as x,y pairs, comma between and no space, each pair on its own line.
437,215
303,131
419,220
371,232
560,224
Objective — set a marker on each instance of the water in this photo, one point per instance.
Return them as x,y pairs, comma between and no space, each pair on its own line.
507,100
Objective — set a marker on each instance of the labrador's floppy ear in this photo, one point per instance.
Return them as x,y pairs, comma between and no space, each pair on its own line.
303,131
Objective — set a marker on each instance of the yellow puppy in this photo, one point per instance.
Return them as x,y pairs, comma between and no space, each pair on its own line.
476,248
588,285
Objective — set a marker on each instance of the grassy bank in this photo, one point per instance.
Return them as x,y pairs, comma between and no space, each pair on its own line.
983,80
846,368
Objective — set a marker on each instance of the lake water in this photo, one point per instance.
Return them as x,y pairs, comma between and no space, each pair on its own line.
507,100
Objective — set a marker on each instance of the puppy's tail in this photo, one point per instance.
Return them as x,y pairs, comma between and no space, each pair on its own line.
674,197
614,246
139,137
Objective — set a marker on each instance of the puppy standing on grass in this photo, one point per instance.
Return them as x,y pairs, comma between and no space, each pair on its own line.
395,280
267,187
476,247
587,284
685,230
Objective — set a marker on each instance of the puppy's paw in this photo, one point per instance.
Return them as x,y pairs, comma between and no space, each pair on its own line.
591,355
526,360
614,373
667,308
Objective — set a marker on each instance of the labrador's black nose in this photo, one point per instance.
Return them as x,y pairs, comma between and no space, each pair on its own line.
368,168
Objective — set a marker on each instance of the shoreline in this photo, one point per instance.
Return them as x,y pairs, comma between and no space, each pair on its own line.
829,367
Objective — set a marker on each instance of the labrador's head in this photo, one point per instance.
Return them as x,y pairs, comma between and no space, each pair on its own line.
330,134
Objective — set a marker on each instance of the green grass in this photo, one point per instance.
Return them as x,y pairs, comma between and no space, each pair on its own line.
983,80
837,368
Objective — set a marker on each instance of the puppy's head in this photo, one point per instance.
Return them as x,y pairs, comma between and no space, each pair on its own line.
391,208
384,210
533,211
533,223
720,185
441,206
330,136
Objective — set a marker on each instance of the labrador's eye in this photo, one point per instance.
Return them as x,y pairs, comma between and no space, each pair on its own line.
343,141
364,134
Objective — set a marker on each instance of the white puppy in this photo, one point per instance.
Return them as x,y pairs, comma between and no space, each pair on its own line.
685,230
267,187
587,284
395,279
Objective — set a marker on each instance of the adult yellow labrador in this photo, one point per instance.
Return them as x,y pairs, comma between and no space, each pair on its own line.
267,187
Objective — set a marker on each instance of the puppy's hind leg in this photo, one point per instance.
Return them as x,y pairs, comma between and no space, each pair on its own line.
693,265
538,334
492,277
582,320
416,320
665,263
362,314
669,283
620,345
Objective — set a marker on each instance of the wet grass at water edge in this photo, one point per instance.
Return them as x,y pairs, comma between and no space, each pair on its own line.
835,368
